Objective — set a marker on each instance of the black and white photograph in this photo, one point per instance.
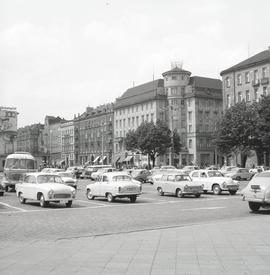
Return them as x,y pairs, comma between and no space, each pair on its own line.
134,137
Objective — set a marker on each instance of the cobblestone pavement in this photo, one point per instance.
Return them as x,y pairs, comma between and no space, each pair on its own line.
235,247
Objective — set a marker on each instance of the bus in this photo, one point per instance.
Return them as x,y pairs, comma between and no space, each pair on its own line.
16,166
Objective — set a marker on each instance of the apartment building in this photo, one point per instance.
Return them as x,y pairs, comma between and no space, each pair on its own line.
67,143
246,81
94,135
146,102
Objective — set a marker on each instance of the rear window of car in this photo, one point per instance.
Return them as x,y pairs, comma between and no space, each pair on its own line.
121,178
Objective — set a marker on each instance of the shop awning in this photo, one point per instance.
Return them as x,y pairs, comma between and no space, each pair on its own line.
122,159
128,158
102,159
96,159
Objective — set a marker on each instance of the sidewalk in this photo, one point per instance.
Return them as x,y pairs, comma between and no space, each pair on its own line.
234,247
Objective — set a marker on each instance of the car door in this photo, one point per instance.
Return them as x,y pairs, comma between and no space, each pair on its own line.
170,184
103,185
28,187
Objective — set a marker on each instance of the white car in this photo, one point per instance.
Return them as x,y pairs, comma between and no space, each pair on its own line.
101,171
189,168
68,178
257,192
179,185
114,185
215,182
45,188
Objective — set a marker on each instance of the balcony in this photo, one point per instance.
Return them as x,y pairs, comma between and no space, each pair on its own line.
256,83
265,80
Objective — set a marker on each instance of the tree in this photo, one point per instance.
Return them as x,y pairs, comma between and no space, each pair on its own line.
237,130
151,139
176,142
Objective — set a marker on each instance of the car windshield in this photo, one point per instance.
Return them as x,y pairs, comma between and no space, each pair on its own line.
20,164
49,178
65,174
214,174
121,178
263,175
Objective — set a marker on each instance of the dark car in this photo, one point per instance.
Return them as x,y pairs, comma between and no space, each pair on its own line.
140,175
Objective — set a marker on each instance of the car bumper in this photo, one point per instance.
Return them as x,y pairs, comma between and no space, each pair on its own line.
126,194
230,188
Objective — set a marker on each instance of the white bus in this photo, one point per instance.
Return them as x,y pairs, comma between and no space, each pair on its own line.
16,166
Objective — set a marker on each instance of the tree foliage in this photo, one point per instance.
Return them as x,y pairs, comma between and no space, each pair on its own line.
245,127
152,139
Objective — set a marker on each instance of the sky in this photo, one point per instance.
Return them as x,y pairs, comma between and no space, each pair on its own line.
59,56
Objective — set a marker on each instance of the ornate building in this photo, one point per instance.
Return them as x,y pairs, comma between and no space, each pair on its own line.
8,132
94,135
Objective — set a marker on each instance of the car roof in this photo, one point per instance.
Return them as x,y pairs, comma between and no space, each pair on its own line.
41,174
112,174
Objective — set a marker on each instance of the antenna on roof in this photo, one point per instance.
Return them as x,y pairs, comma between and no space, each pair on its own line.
177,64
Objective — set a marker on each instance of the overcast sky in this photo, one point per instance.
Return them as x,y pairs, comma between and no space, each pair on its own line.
57,56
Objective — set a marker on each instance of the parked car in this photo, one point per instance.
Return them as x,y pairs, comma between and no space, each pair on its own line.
189,168
51,170
167,167
88,170
156,175
257,192
226,169
68,178
258,169
215,182
45,188
239,174
76,170
101,171
140,175
114,185
179,185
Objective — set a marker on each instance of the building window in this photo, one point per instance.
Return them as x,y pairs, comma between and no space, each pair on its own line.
228,101
174,77
256,76
147,117
137,120
152,117
189,116
182,91
189,128
190,143
133,119
189,102
239,96
239,79
247,96
247,77
264,72
228,82
129,122
120,123
182,102
256,95
142,118
173,91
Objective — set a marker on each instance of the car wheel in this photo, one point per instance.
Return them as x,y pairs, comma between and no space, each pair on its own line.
68,204
110,197
42,201
160,191
179,193
254,206
197,195
216,189
21,198
238,178
133,199
232,192
89,194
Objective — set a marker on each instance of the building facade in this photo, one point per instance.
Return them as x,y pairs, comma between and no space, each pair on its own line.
8,132
146,102
52,140
190,105
246,81
67,143
94,135
31,139
194,108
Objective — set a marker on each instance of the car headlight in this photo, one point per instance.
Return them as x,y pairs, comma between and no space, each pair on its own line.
50,194
186,186
119,189
224,184
73,193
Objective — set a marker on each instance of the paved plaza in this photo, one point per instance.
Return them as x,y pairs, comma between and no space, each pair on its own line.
234,247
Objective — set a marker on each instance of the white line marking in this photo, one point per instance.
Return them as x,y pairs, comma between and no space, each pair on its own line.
91,202
20,209
203,208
